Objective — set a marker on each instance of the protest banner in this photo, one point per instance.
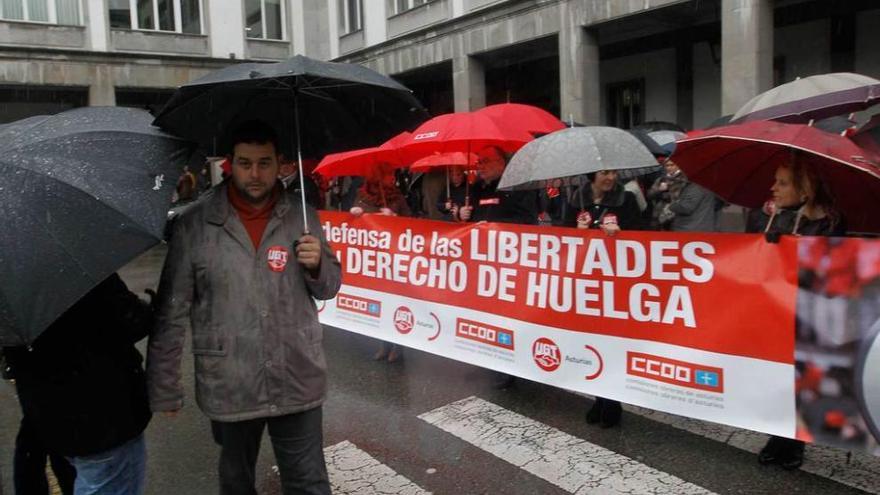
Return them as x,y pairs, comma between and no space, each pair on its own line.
700,325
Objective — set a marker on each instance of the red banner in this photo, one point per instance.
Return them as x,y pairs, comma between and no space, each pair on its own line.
724,293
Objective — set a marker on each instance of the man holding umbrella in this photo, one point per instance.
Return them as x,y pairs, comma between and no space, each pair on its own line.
242,271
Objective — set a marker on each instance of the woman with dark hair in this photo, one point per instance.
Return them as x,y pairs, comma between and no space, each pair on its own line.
602,203
801,205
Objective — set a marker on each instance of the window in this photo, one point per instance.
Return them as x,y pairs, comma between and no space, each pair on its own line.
179,16
626,104
350,16
404,5
264,19
50,11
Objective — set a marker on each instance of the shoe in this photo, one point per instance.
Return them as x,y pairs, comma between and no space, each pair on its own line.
791,456
769,454
503,381
786,452
381,354
594,415
395,355
611,413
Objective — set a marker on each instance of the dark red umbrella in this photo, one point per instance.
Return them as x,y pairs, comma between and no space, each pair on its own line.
467,132
738,163
521,117
360,162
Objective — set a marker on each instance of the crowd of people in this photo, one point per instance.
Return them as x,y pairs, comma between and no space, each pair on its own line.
87,402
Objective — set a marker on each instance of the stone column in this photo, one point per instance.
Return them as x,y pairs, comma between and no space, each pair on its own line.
468,83
102,91
97,24
579,87
375,23
746,51
226,23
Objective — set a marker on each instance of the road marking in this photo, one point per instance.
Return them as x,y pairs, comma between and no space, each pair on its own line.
856,469
566,461
353,471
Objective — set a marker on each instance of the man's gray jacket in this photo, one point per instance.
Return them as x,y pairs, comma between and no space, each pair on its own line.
256,339
696,210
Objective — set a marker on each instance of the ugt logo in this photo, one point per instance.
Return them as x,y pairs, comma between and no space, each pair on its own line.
404,320
546,354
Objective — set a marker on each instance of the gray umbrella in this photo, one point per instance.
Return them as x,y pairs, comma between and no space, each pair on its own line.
812,98
81,194
568,155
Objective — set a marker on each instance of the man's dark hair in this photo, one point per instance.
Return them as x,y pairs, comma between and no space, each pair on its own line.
253,132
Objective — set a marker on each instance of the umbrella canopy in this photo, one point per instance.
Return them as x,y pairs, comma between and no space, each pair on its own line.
812,98
659,125
341,106
664,138
667,139
868,136
721,121
84,192
462,131
571,153
521,117
653,146
360,162
738,163
456,158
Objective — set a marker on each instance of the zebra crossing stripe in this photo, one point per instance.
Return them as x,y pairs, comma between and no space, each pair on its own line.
568,462
353,471
856,469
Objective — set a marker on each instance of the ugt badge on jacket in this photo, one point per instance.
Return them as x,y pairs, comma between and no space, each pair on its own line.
277,258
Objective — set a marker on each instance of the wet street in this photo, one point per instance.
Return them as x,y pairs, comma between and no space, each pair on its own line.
429,424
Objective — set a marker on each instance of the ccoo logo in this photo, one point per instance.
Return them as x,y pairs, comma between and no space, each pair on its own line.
360,305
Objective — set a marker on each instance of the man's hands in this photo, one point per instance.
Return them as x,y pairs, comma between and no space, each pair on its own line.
465,213
308,252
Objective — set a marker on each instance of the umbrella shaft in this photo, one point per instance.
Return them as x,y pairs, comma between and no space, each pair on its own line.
299,162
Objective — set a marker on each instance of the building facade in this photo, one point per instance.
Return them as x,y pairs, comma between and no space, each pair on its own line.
614,62
58,54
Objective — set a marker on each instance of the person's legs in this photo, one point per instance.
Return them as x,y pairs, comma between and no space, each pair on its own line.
29,462
64,473
298,443
118,471
239,447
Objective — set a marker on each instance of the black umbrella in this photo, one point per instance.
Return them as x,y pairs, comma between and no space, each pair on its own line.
340,106
659,125
720,121
81,194
653,146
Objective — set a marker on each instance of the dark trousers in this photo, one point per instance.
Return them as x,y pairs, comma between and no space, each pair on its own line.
297,440
29,465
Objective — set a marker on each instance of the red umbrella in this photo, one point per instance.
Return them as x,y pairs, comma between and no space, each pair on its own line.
455,158
521,117
360,162
464,132
738,163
